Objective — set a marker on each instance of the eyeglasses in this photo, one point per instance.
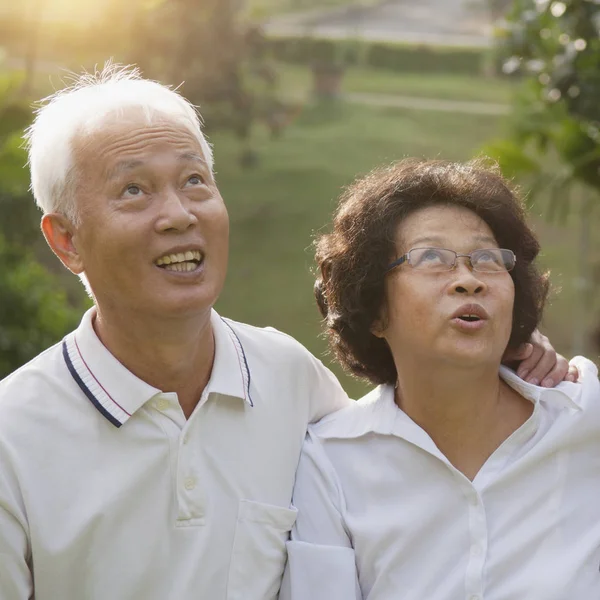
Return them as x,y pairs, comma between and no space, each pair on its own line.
435,260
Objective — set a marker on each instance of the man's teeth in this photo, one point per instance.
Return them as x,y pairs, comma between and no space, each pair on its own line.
470,317
181,267
180,259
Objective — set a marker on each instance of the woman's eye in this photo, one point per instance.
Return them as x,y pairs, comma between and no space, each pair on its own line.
487,257
431,255
426,257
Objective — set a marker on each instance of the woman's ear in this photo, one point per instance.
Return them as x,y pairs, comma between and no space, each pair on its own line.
377,330
379,326
59,233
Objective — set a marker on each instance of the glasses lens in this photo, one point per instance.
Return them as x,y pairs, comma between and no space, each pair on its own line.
431,259
492,260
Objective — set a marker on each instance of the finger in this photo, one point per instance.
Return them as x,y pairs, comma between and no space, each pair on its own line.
572,374
557,374
529,364
546,361
521,353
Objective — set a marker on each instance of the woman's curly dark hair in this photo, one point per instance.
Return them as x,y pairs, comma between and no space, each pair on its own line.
352,259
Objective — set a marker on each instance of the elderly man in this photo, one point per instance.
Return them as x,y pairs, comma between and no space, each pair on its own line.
151,454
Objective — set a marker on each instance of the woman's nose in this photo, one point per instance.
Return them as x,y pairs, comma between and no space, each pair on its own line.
466,279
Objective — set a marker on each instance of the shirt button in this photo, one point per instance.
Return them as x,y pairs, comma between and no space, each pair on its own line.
475,597
162,404
476,550
186,438
189,483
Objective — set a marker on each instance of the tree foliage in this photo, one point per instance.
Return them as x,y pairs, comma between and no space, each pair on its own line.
555,48
34,311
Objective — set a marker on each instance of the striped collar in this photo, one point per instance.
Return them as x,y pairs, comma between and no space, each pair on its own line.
117,393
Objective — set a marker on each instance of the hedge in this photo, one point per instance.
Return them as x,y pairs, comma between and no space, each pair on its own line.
383,55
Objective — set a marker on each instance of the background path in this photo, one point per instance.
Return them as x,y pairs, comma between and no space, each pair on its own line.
437,22
428,104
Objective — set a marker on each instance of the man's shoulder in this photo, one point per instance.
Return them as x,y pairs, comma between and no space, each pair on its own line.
283,367
34,379
269,341
355,420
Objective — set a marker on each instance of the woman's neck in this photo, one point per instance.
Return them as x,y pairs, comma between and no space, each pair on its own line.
467,412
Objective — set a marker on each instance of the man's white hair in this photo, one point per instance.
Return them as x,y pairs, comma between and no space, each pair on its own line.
80,109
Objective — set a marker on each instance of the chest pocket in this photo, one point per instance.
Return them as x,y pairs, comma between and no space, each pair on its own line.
258,557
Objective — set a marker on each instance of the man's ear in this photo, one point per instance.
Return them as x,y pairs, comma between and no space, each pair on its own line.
59,233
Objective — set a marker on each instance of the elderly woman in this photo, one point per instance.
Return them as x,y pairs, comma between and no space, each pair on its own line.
453,479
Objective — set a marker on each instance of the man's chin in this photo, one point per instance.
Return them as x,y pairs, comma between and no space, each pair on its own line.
176,305
187,307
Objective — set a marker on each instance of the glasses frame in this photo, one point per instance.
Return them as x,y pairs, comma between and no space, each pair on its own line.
406,258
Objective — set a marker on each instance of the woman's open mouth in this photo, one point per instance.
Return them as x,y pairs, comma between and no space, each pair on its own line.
470,317
469,322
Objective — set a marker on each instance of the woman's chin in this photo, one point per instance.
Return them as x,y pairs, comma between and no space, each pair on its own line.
473,355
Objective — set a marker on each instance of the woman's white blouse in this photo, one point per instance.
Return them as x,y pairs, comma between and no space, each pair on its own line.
383,515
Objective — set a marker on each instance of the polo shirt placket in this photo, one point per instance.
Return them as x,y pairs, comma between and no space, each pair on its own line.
230,377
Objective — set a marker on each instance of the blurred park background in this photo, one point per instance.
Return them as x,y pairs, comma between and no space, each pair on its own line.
301,96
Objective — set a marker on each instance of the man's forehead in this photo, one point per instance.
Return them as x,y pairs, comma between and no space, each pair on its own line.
132,134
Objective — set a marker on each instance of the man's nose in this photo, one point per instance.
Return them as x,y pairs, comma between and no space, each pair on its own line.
176,212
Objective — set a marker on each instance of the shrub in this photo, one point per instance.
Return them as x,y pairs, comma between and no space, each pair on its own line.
383,55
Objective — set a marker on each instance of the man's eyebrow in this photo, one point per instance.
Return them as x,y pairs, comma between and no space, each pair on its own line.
124,166
129,165
191,157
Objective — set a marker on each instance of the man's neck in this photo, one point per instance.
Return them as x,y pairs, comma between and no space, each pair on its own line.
468,412
173,355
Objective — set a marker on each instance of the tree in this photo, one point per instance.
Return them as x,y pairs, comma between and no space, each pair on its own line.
498,8
34,311
19,223
222,61
554,47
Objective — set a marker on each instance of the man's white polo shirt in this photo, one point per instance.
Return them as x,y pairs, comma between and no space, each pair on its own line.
108,493
383,514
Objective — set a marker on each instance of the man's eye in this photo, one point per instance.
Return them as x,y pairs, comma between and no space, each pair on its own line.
195,180
133,190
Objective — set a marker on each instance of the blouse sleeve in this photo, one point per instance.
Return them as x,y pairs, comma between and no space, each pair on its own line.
321,563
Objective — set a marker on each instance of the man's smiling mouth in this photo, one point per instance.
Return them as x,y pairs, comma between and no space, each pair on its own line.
181,261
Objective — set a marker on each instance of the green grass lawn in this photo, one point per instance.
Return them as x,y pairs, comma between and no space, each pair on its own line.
268,7
296,81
